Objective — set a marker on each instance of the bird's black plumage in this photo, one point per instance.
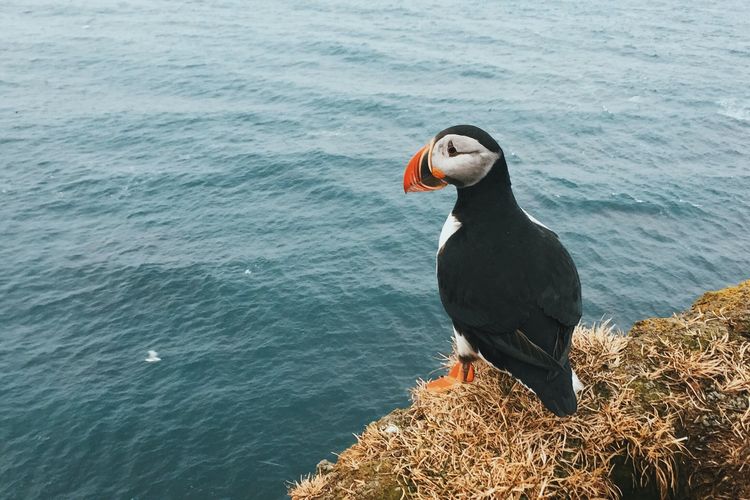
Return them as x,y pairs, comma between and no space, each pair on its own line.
511,288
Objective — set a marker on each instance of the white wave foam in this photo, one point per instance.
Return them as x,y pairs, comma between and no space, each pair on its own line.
736,109
153,357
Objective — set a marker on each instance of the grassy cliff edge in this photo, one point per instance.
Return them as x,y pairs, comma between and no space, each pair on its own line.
665,413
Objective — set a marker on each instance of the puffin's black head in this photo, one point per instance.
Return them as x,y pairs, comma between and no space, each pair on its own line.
460,155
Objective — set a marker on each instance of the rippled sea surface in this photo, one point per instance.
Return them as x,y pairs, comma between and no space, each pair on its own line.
222,184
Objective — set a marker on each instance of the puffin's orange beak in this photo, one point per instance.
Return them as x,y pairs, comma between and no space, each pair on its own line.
418,175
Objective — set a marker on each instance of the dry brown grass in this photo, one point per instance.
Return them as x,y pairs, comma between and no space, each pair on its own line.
667,407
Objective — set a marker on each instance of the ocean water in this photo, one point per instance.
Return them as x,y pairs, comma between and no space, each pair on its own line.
221,182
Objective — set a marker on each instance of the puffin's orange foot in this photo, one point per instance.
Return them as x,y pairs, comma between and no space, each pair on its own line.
461,372
442,384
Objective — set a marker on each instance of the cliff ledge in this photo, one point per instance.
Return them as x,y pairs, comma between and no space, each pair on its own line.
665,413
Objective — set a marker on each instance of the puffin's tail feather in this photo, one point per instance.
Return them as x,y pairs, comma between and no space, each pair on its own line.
559,395
552,384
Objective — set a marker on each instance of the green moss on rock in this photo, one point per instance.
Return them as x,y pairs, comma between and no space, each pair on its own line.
731,303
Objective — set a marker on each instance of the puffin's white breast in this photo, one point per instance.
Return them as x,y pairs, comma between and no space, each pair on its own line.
451,226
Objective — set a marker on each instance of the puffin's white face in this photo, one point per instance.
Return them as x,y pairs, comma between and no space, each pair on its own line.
461,159
461,155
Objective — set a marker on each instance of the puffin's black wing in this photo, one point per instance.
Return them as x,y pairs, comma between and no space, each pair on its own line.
494,280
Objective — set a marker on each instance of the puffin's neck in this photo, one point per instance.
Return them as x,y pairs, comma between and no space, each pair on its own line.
491,194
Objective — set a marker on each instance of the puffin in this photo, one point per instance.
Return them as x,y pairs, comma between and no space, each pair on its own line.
508,284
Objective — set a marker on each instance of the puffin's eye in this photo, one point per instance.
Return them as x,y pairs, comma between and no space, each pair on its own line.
451,149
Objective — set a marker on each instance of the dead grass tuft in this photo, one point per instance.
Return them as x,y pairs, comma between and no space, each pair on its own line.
310,486
666,407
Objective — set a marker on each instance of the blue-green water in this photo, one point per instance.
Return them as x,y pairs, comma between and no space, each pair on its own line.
222,184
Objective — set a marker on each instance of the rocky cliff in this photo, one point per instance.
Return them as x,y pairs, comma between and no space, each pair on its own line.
665,413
